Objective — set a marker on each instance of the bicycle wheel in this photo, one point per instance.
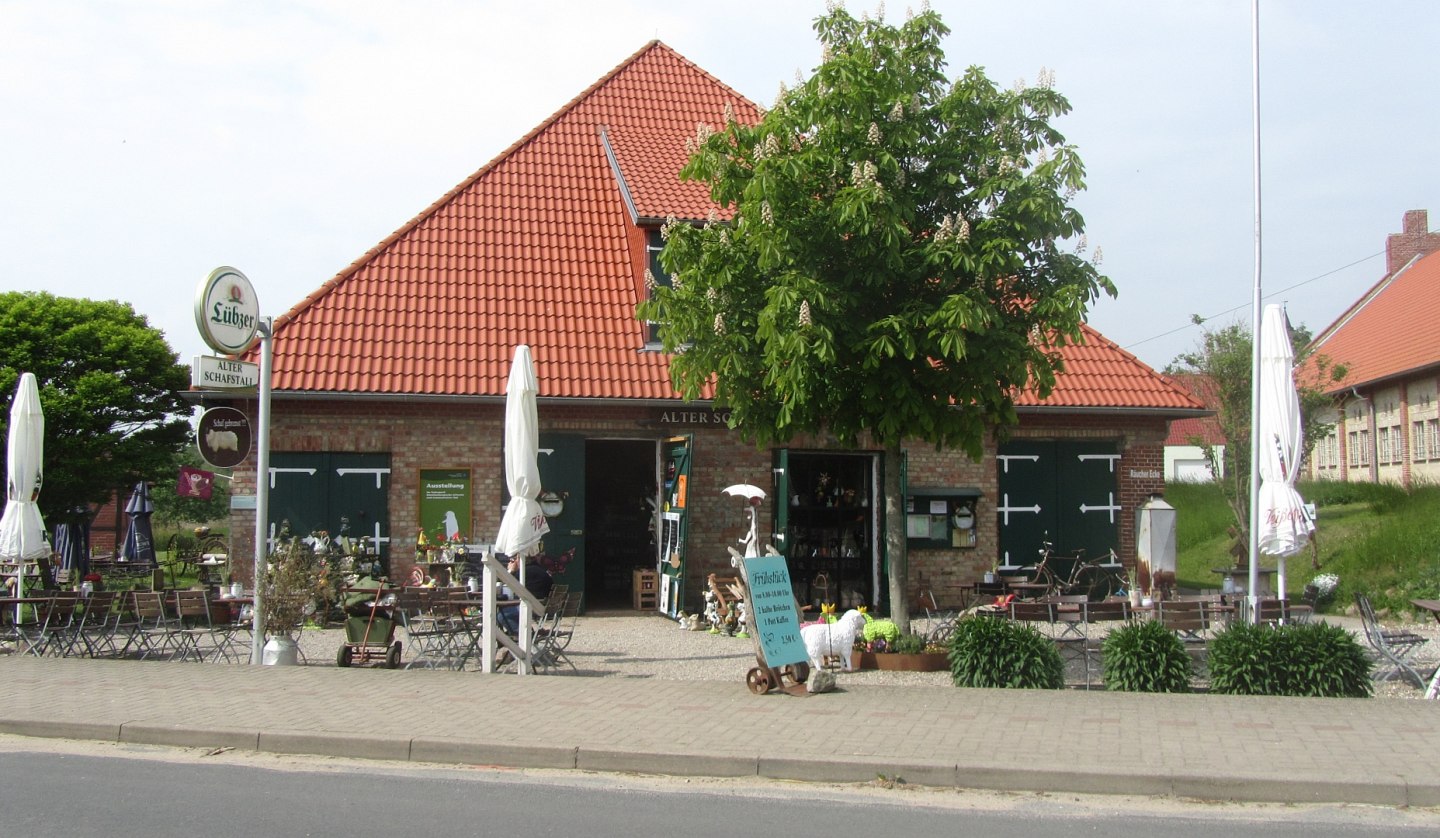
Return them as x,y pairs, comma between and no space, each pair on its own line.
214,545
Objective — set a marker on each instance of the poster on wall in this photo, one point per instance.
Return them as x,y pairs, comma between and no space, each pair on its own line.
445,504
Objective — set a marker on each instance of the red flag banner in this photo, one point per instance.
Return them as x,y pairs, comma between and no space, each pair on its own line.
194,483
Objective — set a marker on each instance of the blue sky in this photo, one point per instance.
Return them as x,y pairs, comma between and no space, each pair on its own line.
151,141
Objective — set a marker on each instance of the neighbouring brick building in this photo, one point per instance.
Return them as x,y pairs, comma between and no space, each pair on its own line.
389,386
1387,423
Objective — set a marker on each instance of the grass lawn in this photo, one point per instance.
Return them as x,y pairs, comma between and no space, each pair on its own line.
1381,540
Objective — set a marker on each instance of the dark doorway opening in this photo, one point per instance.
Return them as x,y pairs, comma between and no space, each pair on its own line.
619,514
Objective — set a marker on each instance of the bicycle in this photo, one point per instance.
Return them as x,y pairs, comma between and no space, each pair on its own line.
1094,579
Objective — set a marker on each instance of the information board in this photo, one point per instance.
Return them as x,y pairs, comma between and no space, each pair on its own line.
445,505
772,604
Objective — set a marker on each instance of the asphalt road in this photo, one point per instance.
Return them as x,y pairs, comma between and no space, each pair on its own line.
53,787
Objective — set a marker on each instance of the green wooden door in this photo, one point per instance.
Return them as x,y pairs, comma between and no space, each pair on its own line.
1064,492
562,471
315,490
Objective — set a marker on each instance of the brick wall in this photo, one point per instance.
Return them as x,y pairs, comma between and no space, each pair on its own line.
424,436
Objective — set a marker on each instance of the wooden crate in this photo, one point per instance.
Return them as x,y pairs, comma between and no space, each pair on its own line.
645,590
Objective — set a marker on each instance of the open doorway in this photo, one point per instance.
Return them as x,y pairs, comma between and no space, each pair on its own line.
619,513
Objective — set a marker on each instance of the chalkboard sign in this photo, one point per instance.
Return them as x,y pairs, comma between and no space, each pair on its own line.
772,606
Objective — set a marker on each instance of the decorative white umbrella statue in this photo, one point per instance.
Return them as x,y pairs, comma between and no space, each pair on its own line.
22,529
1283,526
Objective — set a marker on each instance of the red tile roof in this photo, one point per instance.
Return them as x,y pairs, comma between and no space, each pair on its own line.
1099,374
1393,329
1204,428
537,248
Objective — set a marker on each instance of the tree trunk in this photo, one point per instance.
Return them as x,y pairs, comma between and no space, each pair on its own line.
895,540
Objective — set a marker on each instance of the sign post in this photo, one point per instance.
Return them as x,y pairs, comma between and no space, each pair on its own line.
227,313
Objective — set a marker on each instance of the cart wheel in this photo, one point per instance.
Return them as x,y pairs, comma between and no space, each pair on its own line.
758,680
799,671
345,655
392,657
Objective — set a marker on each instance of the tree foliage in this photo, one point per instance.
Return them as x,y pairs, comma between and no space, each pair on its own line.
891,264
1224,358
110,389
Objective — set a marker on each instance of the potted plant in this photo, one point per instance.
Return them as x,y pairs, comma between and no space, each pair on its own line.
295,579
882,646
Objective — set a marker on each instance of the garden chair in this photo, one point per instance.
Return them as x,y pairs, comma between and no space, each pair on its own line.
1190,620
1391,650
93,633
428,632
231,634
1065,629
550,643
47,630
1097,616
190,626
150,630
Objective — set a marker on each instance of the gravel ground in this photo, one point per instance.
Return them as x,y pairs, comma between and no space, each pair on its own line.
626,644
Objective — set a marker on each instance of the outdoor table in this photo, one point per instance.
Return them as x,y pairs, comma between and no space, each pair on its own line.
1242,578
1431,605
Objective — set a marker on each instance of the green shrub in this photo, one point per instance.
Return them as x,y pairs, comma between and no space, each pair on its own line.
1146,657
909,644
995,652
1315,659
1326,661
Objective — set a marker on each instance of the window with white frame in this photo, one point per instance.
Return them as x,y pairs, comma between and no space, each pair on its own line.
1383,440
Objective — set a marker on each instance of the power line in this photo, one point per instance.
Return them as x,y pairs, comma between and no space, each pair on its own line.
1247,305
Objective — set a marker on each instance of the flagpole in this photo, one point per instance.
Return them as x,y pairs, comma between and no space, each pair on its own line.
1254,532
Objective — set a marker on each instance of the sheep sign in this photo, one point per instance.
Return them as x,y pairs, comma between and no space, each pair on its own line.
223,437
772,605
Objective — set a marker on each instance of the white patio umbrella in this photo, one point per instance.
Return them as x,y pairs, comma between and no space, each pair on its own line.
1283,527
523,524
22,529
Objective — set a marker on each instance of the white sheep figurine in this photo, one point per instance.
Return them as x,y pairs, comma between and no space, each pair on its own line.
835,639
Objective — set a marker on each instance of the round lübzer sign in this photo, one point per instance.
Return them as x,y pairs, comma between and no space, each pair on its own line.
227,311
223,437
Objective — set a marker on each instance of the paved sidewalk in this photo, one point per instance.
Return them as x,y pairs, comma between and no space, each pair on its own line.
1191,746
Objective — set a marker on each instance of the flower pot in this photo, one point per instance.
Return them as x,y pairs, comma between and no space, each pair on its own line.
280,651
894,662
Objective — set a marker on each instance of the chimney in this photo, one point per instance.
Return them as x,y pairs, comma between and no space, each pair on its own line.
1414,239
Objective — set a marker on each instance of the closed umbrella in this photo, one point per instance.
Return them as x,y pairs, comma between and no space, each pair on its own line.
523,524
72,545
1284,528
22,529
139,539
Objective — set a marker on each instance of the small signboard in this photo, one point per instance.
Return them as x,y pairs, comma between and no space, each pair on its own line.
445,503
772,606
226,311
223,437
208,372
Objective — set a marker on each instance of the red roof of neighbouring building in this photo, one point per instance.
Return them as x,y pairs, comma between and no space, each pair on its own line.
538,246
1206,429
1392,330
